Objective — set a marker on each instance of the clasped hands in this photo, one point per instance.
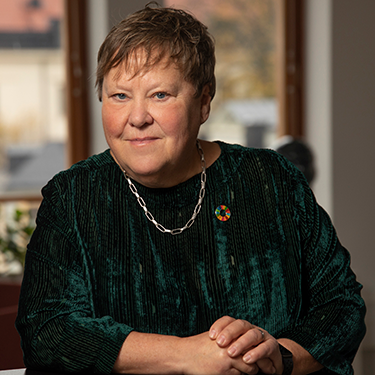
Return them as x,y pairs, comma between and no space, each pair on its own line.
238,347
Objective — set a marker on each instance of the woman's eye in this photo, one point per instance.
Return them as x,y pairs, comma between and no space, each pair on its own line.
161,95
120,96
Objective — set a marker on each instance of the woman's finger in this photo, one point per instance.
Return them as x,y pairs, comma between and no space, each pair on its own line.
219,325
233,331
245,368
249,339
266,366
268,349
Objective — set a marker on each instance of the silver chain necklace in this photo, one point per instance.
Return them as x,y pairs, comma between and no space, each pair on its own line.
196,209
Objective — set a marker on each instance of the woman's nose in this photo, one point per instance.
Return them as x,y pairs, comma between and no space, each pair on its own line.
139,114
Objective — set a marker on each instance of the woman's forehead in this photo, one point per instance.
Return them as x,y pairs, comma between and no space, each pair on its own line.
139,63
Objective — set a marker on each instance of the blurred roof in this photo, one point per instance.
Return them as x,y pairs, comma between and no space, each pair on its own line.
23,16
30,24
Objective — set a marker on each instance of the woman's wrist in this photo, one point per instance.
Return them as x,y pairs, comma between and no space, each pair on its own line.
143,353
303,361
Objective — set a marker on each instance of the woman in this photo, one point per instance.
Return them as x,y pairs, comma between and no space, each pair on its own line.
168,254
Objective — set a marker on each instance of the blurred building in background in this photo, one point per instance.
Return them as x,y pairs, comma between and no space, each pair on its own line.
33,125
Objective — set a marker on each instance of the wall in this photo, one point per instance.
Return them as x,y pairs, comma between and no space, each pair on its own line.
340,119
318,95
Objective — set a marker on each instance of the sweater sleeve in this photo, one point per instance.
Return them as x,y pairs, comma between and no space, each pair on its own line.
332,325
56,318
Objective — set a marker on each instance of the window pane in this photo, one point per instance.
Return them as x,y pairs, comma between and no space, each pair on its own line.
33,126
244,109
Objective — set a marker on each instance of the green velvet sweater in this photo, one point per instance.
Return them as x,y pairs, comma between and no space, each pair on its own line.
96,268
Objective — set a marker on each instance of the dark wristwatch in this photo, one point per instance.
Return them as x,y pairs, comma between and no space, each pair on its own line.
287,360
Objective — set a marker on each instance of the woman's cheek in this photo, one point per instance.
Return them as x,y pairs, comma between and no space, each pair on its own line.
113,122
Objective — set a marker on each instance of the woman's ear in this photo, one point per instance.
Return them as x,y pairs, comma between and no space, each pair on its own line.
205,103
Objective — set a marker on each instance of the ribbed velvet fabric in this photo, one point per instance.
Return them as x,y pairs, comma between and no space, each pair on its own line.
96,268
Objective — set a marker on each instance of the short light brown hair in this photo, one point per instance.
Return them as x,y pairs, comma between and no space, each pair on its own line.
160,32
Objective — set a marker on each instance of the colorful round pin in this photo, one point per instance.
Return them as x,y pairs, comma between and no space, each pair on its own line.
222,213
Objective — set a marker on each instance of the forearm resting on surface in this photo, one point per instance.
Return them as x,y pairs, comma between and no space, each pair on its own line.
303,361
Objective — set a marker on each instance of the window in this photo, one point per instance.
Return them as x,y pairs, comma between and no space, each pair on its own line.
33,116
33,121
44,117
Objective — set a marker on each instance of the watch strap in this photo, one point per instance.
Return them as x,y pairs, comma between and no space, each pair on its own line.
287,357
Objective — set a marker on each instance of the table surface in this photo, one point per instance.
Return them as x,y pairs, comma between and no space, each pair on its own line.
26,372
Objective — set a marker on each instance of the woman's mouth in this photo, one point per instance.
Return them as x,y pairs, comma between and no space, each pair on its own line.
142,141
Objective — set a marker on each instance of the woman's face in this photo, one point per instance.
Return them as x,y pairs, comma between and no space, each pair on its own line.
151,123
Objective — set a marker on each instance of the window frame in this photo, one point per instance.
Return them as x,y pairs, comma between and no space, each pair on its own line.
77,79
290,67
